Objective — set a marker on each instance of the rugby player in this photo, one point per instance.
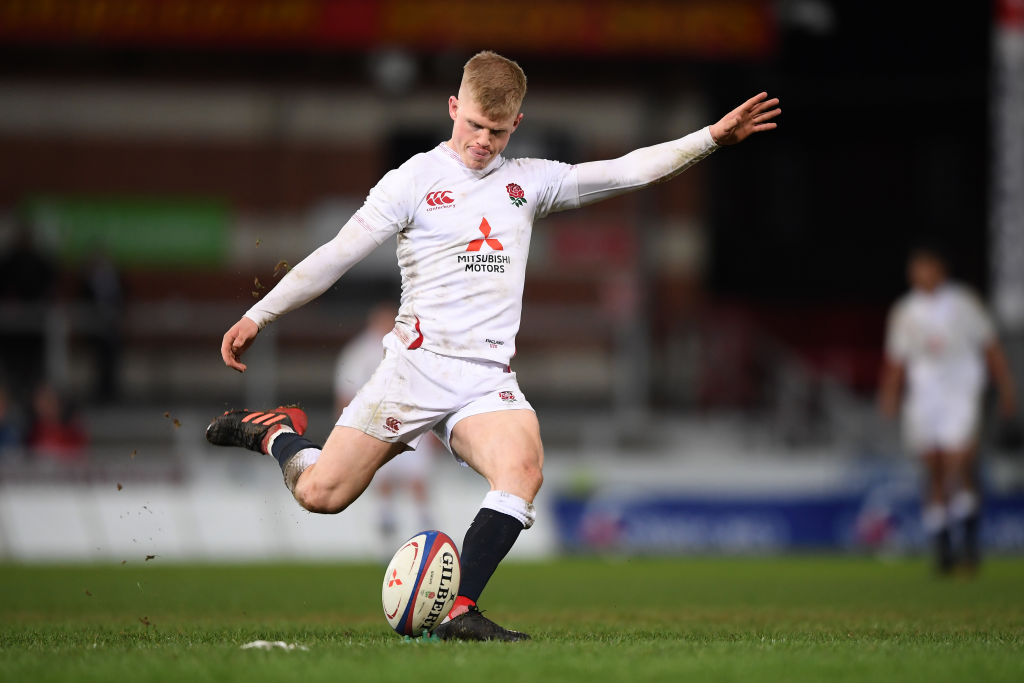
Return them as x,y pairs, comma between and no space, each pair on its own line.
938,343
463,214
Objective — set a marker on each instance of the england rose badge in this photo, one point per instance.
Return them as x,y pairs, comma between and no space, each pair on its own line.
516,194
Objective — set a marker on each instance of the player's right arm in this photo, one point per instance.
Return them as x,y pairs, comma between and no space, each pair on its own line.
380,217
890,387
307,280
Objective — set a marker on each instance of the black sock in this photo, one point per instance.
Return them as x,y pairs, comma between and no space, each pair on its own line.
488,540
288,444
943,551
971,542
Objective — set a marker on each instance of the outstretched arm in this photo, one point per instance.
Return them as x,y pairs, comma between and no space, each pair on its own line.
307,280
598,180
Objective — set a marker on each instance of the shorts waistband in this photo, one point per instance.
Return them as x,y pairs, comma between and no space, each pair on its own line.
397,343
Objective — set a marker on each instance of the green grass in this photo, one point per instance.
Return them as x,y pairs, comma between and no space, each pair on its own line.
792,619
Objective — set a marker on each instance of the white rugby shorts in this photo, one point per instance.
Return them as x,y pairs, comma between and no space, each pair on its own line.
941,422
414,391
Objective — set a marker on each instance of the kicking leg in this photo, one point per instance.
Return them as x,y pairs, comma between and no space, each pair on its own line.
342,470
505,448
325,480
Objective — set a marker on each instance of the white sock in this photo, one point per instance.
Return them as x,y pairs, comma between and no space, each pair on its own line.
934,518
511,505
298,464
963,505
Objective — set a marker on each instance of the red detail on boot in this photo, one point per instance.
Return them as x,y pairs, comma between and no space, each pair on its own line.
462,605
265,444
298,418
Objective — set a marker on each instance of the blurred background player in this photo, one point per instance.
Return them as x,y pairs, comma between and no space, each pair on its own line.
939,340
406,472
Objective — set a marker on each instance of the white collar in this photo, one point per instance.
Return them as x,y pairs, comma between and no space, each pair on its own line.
496,162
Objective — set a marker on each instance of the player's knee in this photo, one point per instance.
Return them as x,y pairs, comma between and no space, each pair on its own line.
315,497
535,476
531,477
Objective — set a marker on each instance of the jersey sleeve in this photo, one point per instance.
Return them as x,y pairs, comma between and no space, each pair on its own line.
600,180
559,190
314,274
388,208
980,325
897,334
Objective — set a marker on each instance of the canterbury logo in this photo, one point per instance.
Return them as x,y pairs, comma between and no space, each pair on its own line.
440,198
494,244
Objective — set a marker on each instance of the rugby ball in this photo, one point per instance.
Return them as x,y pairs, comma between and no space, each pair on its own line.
421,583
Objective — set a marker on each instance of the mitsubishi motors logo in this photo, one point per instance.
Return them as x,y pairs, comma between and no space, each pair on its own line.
394,581
486,262
494,244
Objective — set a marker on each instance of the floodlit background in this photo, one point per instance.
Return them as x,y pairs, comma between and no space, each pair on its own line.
703,354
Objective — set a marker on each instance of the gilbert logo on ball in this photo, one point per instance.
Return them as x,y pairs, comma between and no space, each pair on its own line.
421,582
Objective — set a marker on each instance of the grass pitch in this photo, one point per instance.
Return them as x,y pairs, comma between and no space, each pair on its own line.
763,620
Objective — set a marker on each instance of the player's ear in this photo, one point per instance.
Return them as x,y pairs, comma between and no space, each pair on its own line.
453,106
515,123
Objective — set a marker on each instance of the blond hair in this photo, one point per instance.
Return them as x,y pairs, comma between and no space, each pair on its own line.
496,84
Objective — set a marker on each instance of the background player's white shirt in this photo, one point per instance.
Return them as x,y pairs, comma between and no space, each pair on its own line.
940,338
463,240
356,363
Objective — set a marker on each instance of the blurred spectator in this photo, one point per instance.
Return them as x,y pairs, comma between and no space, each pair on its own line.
10,431
102,291
27,284
55,432
409,470
939,340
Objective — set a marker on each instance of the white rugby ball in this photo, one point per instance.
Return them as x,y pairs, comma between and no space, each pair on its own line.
421,583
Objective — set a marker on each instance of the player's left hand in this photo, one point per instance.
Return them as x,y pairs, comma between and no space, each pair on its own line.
753,116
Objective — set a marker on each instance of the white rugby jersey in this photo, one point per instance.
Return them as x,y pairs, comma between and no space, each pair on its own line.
940,337
464,237
463,240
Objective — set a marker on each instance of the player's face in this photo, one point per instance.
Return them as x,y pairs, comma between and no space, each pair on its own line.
476,137
926,272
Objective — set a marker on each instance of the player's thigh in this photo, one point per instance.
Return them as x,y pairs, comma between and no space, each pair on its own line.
344,469
505,448
962,463
934,463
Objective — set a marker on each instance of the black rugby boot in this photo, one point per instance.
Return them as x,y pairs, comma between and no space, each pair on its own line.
250,428
473,625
